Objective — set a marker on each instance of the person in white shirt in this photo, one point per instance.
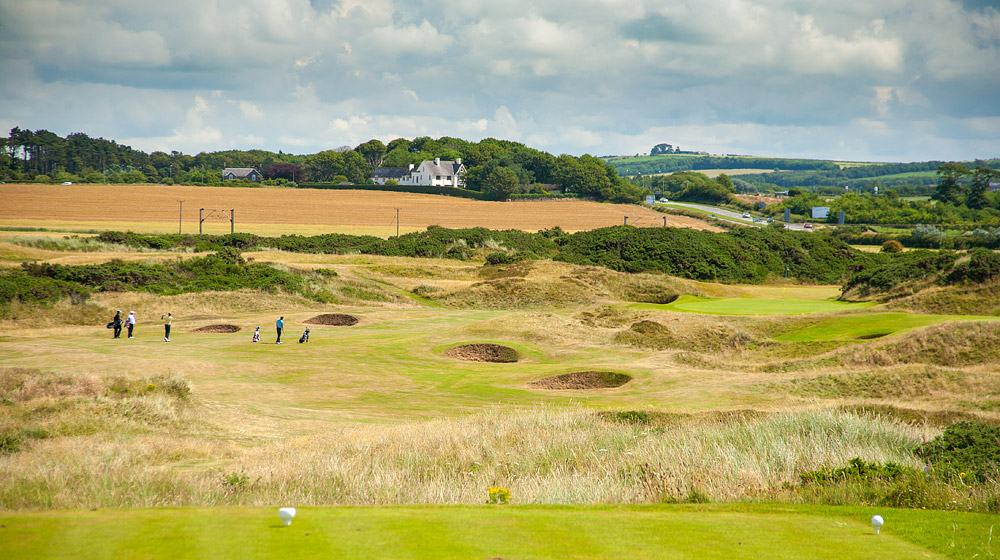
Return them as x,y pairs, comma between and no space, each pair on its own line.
130,323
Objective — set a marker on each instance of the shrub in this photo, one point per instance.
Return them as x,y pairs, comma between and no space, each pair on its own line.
892,246
967,450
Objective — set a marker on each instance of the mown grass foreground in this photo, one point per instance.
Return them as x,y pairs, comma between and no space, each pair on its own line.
676,531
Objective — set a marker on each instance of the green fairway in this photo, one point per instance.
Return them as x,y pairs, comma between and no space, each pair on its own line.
853,326
754,306
680,531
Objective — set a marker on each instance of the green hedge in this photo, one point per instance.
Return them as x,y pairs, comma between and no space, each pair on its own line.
419,189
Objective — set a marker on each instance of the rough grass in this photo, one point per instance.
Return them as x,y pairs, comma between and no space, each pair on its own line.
544,456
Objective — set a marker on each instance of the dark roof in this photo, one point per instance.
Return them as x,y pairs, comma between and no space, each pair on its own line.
239,172
445,168
391,172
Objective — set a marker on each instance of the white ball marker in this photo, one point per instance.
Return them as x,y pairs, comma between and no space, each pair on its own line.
286,514
877,522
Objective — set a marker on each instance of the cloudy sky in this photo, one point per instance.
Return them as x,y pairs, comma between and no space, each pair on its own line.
885,80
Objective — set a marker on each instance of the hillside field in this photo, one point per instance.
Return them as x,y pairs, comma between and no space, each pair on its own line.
277,211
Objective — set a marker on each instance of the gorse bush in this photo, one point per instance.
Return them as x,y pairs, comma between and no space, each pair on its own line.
969,451
223,271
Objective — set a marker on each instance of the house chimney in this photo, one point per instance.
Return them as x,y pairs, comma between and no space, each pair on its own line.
411,167
458,161
437,161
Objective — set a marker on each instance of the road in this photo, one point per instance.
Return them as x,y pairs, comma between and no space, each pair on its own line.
729,215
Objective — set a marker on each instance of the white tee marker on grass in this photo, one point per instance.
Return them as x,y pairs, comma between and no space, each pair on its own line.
286,514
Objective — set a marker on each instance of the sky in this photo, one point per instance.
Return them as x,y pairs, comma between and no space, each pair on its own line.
859,80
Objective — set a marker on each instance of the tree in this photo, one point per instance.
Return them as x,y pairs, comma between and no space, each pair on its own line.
373,151
976,196
324,165
949,191
725,181
289,171
661,149
499,183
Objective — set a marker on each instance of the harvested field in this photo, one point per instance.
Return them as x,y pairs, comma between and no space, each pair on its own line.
334,319
583,380
493,353
272,211
216,329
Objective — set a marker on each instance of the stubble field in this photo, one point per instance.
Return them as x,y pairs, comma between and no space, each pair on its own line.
275,211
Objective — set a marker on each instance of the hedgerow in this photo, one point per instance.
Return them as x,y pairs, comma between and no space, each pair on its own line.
225,270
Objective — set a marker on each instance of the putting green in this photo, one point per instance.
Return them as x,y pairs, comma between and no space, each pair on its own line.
754,306
679,531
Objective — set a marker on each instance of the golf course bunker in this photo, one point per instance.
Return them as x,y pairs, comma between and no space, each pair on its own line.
333,319
872,336
583,380
484,352
217,329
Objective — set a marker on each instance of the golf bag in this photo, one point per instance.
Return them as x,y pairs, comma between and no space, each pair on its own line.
305,336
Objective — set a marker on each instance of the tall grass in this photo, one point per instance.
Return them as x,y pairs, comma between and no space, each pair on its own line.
544,455
76,243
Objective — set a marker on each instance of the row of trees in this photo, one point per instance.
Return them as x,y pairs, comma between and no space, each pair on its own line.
497,167
974,193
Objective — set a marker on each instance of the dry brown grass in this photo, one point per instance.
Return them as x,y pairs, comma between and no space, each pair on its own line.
541,455
153,208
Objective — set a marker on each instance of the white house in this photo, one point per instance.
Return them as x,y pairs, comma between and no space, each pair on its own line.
234,173
435,173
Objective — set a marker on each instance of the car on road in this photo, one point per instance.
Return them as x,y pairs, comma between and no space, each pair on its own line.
664,201
808,226
67,183
746,215
769,220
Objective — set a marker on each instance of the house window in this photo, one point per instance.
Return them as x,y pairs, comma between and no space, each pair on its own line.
438,177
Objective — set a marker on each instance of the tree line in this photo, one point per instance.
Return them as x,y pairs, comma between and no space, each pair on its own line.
498,168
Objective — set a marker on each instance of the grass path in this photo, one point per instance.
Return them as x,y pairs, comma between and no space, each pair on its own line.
679,531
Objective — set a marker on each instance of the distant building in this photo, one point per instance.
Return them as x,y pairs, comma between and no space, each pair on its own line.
435,173
820,212
237,173
383,174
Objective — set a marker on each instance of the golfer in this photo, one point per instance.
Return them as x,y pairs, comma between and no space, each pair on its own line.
280,324
130,323
166,326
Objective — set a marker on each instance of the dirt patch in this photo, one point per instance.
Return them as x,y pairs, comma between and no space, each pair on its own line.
495,353
217,329
583,380
334,319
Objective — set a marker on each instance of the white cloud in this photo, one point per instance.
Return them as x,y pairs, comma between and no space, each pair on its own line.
904,80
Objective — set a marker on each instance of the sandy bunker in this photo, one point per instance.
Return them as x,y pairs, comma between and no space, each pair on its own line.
583,380
484,352
217,329
334,319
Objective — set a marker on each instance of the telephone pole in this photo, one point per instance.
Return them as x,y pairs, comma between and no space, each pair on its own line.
180,216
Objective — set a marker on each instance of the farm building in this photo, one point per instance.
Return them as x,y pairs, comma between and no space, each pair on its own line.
245,173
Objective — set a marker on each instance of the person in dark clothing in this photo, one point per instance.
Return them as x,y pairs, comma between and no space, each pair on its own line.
280,324
116,324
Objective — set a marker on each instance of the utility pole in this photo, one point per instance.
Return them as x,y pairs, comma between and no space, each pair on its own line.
397,223
180,216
